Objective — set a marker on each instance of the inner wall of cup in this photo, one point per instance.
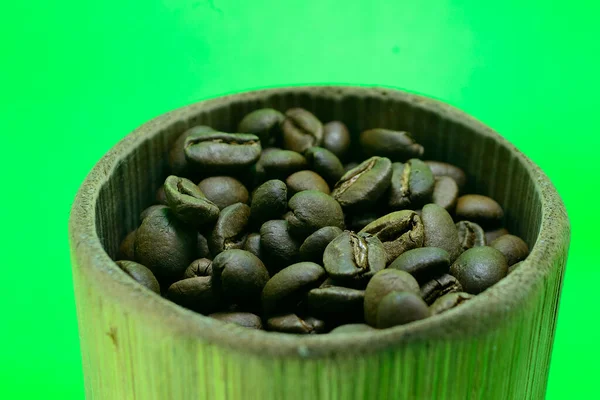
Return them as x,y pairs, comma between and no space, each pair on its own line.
491,169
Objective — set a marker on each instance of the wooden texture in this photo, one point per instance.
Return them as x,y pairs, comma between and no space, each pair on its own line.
137,345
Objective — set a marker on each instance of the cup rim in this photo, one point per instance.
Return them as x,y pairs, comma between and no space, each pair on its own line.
483,313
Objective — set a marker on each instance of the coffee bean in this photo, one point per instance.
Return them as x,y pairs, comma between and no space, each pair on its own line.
269,201
357,221
395,145
140,274
189,203
445,193
399,308
279,247
230,229
365,184
161,197
325,163
350,166
449,301
301,130
264,123
470,235
398,231
439,286
253,244
312,210
494,234
151,209
199,267
514,266
383,283
423,263
203,251
336,303
313,247
245,319
353,328
291,323
412,185
306,180
177,161
279,164
127,247
221,152
224,191
440,230
336,138
513,248
196,294
440,169
482,210
479,268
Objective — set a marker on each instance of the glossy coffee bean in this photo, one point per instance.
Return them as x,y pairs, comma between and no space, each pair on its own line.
353,328
291,323
449,301
264,123
440,169
383,283
221,152
395,145
160,196
224,191
479,268
313,247
439,286
306,180
514,266
199,267
197,294
513,247
325,163
440,230
336,303
470,235
399,308
189,203
245,319
494,234
354,257
311,210
445,193
240,275
151,209
336,138
140,274
202,249
278,246
301,130
279,164
253,244
177,161
412,185
365,184
230,230
290,285
398,231
482,210
127,247
269,201
423,263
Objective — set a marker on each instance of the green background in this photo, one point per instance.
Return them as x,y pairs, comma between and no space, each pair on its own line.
76,77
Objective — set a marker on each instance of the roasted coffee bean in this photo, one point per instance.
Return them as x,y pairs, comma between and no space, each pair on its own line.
306,180
440,230
291,323
353,328
161,197
197,294
492,235
151,209
354,257
514,266
264,123
470,235
325,163
336,138
203,251
440,169
269,201
513,248
395,145
224,191
189,203
301,130
439,286
313,247
423,263
445,193
412,185
140,274
177,161
221,152
240,275
278,246
398,231
230,229
357,221
399,308
336,303
449,301
365,184
279,164
127,247
253,244
383,283
245,319
199,267
312,210
482,210
479,268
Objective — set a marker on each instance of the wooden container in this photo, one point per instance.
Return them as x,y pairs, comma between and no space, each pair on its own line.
137,345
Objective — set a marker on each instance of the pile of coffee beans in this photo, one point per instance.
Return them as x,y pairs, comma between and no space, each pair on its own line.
291,226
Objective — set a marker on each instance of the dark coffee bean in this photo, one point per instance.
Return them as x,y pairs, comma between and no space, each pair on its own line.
365,184
230,229
306,180
514,266
513,248
301,130
354,257
196,294
269,201
325,163
440,169
199,267
165,245
351,165
253,244
189,203
398,231
449,301
479,268
150,210
353,328
221,152
439,286
492,235
291,323
177,161
161,197
399,308
127,247
445,193
336,138
383,283
470,235
423,263
336,303
278,246
224,191
395,145
357,221
240,275
203,251
245,319
279,164
412,185
440,230
482,210
140,274
264,123
289,286
313,247
312,210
